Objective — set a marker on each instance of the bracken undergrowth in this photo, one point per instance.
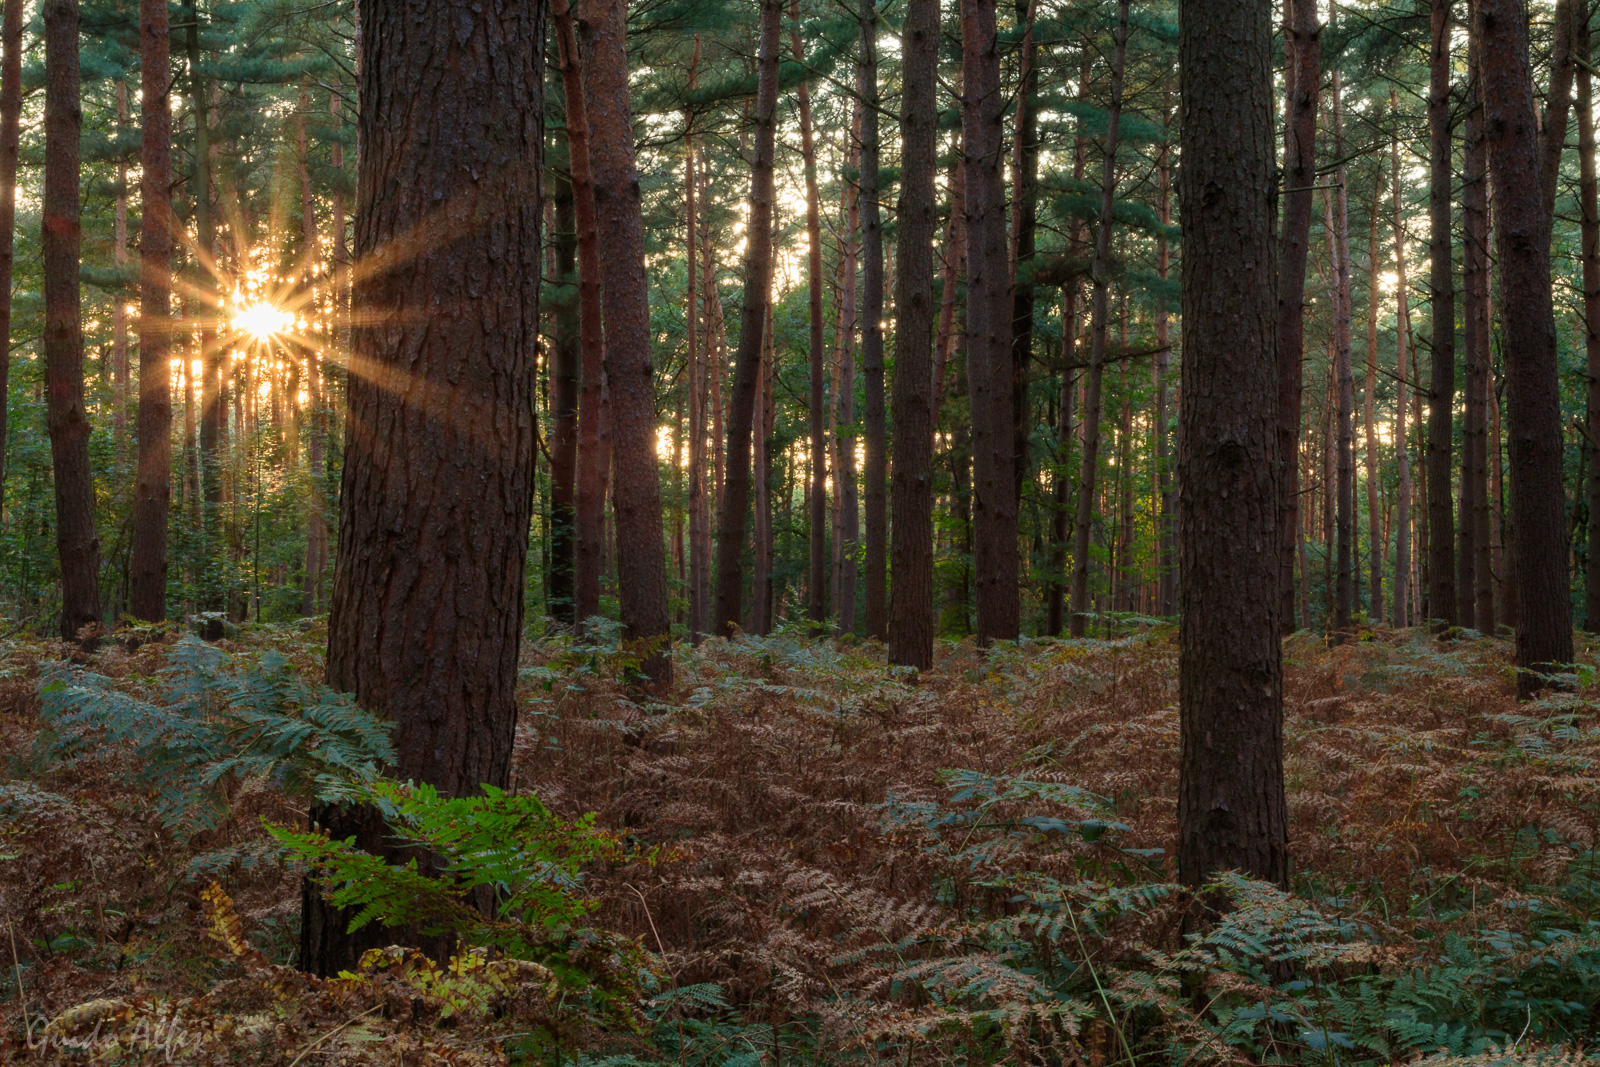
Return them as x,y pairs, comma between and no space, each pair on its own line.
821,859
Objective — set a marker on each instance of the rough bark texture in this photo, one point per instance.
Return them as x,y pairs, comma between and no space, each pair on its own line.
152,494
874,575
1544,630
1442,339
1303,43
911,619
438,472
1558,101
816,490
1589,202
699,534
1166,535
564,363
1099,314
1476,580
66,417
1024,224
1344,384
1375,538
1231,808
988,329
1401,613
594,414
630,376
735,506
10,126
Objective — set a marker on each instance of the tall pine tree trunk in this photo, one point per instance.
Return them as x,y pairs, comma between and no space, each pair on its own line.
911,620
1589,202
1544,630
1442,339
816,490
988,332
147,567
1401,613
875,458
734,511
630,377
564,364
1100,312
10,127
1477,580
66,417
1303,45
594,430
1344,383
1024,224
1166,547
1231,809
437,490
1375,538
119,312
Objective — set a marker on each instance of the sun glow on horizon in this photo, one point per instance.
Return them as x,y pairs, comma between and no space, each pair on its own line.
262,320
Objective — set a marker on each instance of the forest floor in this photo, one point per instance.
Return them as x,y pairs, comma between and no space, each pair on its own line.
858,865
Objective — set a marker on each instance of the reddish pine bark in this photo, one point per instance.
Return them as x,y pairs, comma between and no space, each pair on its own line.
1303,45
1401,613
438,478
10,125
875,460
630,376
1589,202
119,312
1442,339
1231,808
147,566
911,620
564,370
735,506
1344,385
66,417
1477,581
1375,537
816,492
1544,630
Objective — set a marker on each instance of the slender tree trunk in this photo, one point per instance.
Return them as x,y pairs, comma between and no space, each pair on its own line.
1442,340
1401,615
911,620
1343,621
988,332
564,366
205,290
1167,587
847,530
875,459
1589,202
119,311
1099,314
1061,488
1476,585
1024,223
427,605
316,530
1231,808
1544,631
594,431
147,567
816,491
699,534
630,377
1558,102
761,581
1303,44
10,126
1375,538
735,507
66,416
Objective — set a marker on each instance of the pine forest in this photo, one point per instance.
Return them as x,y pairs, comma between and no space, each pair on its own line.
745,533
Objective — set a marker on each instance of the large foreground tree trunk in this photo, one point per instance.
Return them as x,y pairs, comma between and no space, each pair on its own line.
630,374
152,494
988,329
438,473
875,469
911,620
1231,808
1538,507
735,506
66,416
1589,202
